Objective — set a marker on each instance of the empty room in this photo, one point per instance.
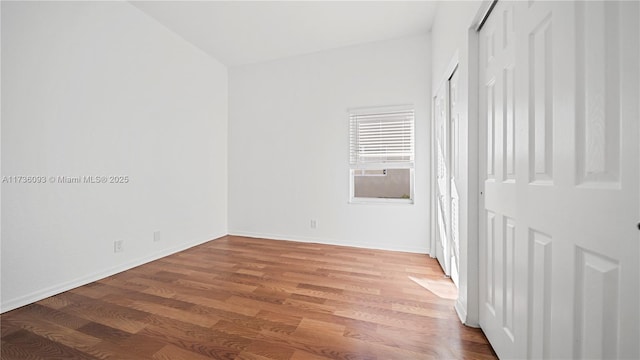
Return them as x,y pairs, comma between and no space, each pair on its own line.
305,180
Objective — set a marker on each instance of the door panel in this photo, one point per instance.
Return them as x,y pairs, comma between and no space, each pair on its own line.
446,117
500,263
442,186
454,171
559,275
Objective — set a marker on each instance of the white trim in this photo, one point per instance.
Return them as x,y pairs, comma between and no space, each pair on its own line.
486,9
374,201
38,295
432,182
450,69
475,202
307,239
383,165
363,110
462,315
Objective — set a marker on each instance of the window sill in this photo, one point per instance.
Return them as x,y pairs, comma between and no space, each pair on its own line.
378,201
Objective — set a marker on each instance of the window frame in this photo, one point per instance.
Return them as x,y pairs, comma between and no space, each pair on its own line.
381,165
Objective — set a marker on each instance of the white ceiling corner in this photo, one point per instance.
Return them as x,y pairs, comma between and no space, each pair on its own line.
242,32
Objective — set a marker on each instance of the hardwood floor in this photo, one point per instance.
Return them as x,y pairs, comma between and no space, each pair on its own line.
244,298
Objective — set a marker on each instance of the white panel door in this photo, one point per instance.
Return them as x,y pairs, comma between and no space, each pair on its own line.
446,119
454,174
559,252
501,268
441,116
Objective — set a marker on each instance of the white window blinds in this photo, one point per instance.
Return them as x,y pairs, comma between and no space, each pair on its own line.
381,137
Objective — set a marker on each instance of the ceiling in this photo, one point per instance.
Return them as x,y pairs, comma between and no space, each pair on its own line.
242,32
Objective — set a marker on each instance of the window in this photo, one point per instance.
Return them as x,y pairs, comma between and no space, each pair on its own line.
381,154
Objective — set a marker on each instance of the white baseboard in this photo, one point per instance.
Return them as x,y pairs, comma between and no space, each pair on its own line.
462,314
87,279
327,241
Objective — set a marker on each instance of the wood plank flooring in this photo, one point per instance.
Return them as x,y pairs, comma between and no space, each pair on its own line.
245,298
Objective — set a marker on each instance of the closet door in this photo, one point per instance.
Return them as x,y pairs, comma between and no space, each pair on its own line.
501,246
559,119
454,174
443,203
446,121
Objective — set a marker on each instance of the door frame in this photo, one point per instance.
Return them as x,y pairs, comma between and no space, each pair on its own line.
465,60
468,309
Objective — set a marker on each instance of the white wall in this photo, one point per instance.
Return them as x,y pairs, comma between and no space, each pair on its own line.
288,145
451,39
450,34
99,88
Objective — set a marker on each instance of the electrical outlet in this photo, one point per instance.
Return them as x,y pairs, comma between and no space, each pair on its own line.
156,236
314,223
118,246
